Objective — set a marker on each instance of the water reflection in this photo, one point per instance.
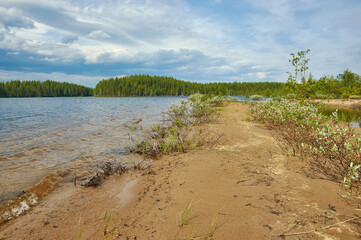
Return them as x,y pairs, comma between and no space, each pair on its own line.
352,116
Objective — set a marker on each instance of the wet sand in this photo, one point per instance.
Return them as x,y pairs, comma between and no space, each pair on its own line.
242,187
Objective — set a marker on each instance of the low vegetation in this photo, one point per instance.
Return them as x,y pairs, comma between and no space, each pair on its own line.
178,132
330,146
184,216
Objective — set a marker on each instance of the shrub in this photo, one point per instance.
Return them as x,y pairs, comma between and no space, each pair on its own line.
178,114
291,96
256,97
355,96
177,134
330,147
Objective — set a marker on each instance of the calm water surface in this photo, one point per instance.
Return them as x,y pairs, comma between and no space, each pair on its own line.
348,115
39,136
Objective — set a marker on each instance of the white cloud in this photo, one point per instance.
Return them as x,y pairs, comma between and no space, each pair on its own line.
98,34
46,59
172,36
10,41
12,17
89,81
261,75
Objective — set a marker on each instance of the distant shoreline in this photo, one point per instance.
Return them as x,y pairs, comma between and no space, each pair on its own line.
345,103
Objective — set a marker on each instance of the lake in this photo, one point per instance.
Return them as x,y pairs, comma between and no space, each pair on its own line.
348,115
40,136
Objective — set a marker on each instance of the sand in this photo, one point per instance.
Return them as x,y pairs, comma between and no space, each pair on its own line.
343,103
242,187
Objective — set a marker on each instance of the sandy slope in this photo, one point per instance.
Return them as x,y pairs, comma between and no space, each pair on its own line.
244,183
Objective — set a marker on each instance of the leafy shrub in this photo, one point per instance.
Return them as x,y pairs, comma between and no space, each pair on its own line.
179,114
291,96
355,96
216,101
331,147
177,134
165,140
256,97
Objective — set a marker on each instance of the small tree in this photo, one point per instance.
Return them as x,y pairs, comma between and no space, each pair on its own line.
292,84
299,62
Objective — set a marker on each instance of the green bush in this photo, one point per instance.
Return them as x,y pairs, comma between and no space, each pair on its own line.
355,96
291,96
177,134
330,147
256,97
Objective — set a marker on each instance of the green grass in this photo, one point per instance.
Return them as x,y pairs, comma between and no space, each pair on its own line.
80,229
107,219
184,217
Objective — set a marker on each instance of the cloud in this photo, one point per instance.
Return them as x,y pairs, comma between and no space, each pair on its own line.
237,40
89,81
98,34
69,38
46,59
12,17
261,75
10,41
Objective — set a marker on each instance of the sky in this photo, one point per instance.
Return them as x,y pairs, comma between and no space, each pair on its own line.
84,41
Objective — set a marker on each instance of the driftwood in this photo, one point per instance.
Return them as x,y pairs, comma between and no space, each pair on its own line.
316,229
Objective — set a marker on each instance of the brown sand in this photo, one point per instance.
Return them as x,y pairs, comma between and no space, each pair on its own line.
343,103
244,184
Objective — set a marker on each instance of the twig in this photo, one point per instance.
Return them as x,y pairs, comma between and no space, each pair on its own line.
316,229
219,137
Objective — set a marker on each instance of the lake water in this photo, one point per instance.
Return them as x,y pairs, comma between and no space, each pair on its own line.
40,136
348,115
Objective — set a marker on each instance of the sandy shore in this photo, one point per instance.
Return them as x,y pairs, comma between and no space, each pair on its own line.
242,187
343,103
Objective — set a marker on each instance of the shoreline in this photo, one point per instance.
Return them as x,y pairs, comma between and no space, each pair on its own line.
344,103
243,187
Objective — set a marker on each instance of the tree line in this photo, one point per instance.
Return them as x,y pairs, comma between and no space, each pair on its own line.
145,85
344,85
16,88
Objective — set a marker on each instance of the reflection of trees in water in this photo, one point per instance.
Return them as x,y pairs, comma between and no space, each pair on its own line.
345,115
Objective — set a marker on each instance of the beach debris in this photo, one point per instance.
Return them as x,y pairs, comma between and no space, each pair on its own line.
94,181
111,168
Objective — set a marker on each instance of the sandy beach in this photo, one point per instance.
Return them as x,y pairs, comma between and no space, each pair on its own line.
344,103
244,186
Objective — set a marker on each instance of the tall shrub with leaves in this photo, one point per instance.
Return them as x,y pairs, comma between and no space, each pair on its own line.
299,61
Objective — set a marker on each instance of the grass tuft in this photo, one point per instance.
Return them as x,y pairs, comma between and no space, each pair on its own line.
107,219
184,217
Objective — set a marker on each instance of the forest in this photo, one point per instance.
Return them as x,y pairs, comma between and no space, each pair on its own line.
145,85
344,85
16,88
